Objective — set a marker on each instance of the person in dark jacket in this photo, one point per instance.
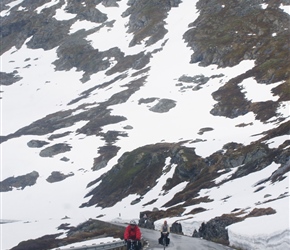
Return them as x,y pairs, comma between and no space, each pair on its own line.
132,235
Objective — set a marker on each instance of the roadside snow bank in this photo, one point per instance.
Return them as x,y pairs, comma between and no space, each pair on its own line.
269,232
278,241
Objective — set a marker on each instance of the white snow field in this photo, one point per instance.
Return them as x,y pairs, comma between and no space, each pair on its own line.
38,210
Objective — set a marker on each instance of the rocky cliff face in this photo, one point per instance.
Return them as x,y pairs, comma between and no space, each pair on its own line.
224,34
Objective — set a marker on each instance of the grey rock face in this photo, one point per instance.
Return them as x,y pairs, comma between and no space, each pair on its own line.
19,182
36,143
57,176
146,223
9,78
176,228
54,150
163,105
216,228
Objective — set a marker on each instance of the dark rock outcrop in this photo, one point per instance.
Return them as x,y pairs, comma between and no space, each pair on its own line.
84,231
55,149
57,176
146,223
220,35
215,229
163,105
176,228
9,78
147,19
19,182
106,153
137,172
36,143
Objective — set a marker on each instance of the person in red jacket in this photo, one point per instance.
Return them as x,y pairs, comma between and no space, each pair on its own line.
132,235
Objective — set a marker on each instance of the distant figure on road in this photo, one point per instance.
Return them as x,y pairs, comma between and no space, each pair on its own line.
164,233
132,235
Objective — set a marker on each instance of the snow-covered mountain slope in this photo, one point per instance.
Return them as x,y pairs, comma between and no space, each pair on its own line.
174,108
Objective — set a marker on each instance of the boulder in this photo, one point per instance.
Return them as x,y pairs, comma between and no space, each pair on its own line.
146,223
215,229
176,227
